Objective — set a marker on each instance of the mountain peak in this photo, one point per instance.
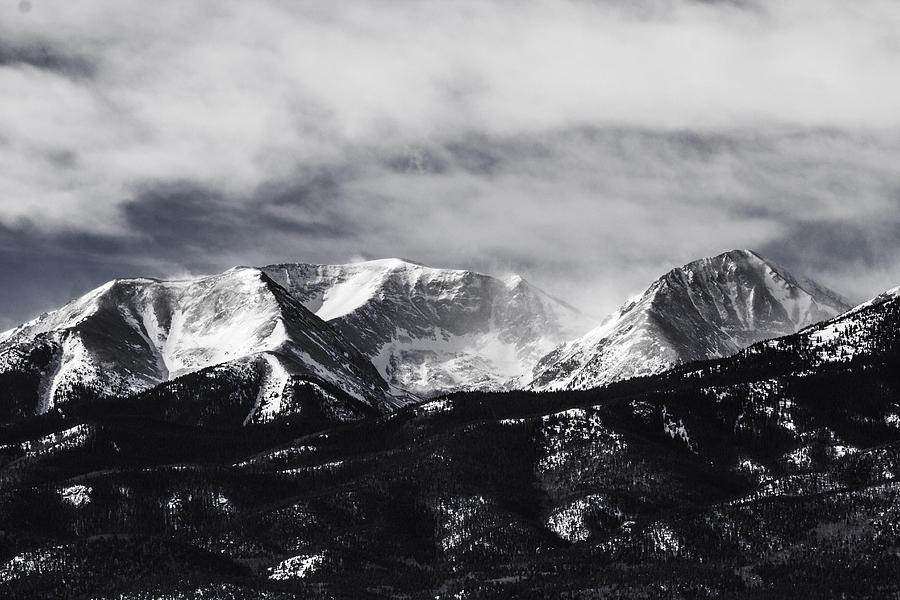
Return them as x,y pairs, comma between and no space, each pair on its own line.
736,254
132,334
708,308
432,330
750,268
733,259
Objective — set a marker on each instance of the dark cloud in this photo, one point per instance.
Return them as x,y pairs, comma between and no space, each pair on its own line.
181,219
474,155
47,57
40,271
170,229
829,246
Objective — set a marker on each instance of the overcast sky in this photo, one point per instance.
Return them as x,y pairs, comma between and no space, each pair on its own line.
589,146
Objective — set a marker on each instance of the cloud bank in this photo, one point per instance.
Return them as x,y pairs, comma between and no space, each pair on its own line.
587,145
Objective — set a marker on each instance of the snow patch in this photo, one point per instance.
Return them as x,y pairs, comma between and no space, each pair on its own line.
53,443
269,399
297,567
676,429
569,522
77,495
564,431
346,296
435,406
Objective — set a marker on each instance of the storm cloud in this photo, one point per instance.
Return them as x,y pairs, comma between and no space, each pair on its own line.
588,146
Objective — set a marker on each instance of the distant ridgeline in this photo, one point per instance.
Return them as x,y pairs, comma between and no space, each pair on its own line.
343,341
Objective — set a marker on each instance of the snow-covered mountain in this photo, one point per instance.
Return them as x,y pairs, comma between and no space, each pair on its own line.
709,308
433,330
377,332
130,335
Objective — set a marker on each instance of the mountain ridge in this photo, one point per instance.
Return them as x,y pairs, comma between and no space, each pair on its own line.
387,331
132,334
431,330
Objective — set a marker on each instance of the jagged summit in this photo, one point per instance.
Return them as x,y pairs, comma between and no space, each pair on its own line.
708,308
745,274
334,290
435,330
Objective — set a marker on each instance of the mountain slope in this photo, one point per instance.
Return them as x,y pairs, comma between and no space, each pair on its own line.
708,308
130,335
435,330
